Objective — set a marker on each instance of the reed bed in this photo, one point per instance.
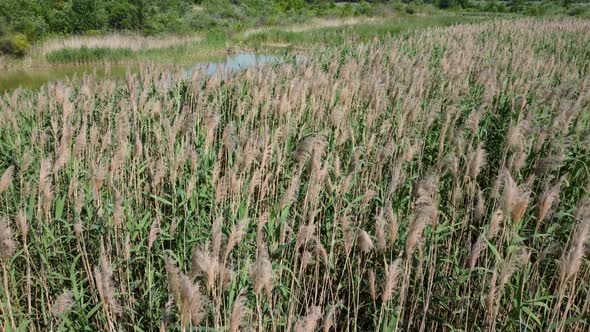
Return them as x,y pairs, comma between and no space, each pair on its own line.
436,181
114,42
319,24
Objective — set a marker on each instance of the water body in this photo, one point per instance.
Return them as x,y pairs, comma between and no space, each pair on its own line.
235,62
36,77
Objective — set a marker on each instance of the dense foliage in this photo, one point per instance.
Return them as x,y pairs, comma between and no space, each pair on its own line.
36,19
25,22
435,181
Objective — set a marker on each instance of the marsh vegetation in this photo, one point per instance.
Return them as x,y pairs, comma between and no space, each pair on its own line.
429,181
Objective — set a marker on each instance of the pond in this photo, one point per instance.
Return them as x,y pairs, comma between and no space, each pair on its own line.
35,77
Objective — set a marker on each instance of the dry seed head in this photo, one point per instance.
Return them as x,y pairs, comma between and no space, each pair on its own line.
173,274
517,259
330,319
21,222
98,177
235,237
229,140
306,260
292,192
391,279
78,229
320,252
476,249
450,164
27,161
372,291
571,261
305,233
261,276
106,290
364,242
380,232
304,149
80,145
510,191
6,179
216,236
424,215
480,208
238,313
203,263
63,303
521,202
516,134
118,210
495,222
476,162
192,302
7,244
548,197
393,226
154,232
308,323
491,298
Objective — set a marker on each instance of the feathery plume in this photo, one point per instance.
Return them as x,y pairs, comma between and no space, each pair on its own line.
516,260
261,275
380,231
6,179
521,202
372,291
571,260
364,242
106,290
476,249
238,313
496,220
63,303
330,319
393,226
548,197
476,162
235,237
154,232
204,263
7,243
308,323
173,274
510,191
192,302
22,223
391,279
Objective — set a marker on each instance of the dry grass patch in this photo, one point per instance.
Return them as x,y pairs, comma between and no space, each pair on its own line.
114,41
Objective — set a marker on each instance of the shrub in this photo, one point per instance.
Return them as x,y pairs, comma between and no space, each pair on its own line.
535,10
15,45
21,43
578,10
7,46
364,8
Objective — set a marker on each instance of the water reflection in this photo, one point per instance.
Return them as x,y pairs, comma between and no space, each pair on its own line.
235,62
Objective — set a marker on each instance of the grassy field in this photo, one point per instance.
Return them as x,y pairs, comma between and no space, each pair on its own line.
436,180
63,59
212,44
